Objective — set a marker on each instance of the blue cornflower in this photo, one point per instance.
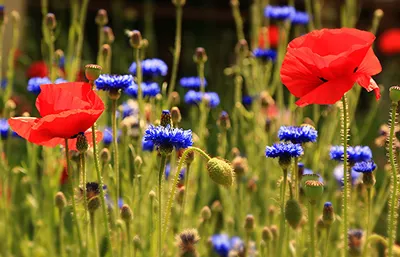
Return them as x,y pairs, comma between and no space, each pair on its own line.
284,150
109,82
108,136
129,108
4,128
236,243
338,174
364,167
298,135
149,89
300,18
279,12
3,83
168,172
61,62
192,97
221,244
147,145
191,82
151,67
265,54
354,154
120,202
35,83
169,137
247,100
60,80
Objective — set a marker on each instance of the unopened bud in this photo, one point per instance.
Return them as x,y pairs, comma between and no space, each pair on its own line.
249,223
105,156
293,213
15,17
126,213
274,231
266,234
240,166
138,162
152,195
51,22
82,144
108,35
216,206
60,200
328,216
223,121
166,118
206,213
176,115
200,55
135,39
93,204
105,51
101,17
242,47
220,171
137,243
174,98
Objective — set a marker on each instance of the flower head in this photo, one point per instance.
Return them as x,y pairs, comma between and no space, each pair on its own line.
389,41
169,137
354,154
321,66
35,83
279,12
222,244
191,82
364,167
109,82
265,54
300,18
129,108
298,135
192,97
149,89
67,109
287,150
147,146
151,67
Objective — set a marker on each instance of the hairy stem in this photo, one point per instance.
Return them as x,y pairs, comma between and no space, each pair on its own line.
311,228
160,175
115,147
282,221
345,194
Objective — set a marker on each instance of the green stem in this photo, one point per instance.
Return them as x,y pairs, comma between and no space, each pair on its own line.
345,123
392,220
312,232
61,232
296,178
178,46
100,45
282,221
317,14
328,233
71,35
85,201
94,233
115,148
139,81
238,20
160,176
128,238
185,193
71,185
309,11
368,225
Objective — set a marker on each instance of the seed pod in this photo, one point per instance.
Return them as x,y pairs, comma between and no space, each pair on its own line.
293,213
92,71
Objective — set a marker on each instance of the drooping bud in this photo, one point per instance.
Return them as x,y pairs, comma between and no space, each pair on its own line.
220,171
205,213
223,121
126,213
176,115
105,156
101,17
108,35
92,71
135,39
293,213
174,98
93,204
166,118
186,241
328,216
200,55
394,93
266,234
51,21
313,190
82,144
60,200
249,223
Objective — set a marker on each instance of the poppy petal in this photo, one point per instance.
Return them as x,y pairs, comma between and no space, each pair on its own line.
370,65
327,93
72,142
22,125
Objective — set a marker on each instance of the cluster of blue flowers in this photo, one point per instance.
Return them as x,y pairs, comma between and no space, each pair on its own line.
298,135
265,54
151,68
35,83
168,136
223,244
109,82
149,89
354,154
193,98
191,82
286,13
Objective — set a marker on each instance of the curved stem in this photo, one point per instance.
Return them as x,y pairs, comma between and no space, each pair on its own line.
85,201
345,123
115,147
71,185
185,194
312,232
282,222
94,233
160,175
392,220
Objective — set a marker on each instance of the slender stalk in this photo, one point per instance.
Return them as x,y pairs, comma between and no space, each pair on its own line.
72,34
317,14
139,81
238,19
312,232
100,45
160,176
85,201
178,46
296,178
115,147
2,26
185,194
282,221
61,232
328,233
345,194
128,238
309,11
71,186
392,220
94,233
368,226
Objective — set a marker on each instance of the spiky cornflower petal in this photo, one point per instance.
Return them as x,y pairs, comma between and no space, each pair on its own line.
364,167
151,67
298,134
194,98
287,150
109,82
167,136
300,18
265,54
149,89
355,154
191,82
35,83
279,12
147,146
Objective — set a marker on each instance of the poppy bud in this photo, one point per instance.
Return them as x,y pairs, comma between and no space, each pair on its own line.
328,216
394,93
166,118
82,144
135,39
274,231
293,213
137,243
108,35
138,162
205,213
266,234
101,17
51,22
15,17
313,190
105,156
92,71
224,121
249,223
179,2
186,241
60,200
126,213
176,115
200,55
93,204
220,171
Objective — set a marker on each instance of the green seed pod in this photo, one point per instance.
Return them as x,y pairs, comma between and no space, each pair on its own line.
126,213
220,171
60,200
266,234
82,144
92,71
313,190
293,213
93,204
394,93
307,177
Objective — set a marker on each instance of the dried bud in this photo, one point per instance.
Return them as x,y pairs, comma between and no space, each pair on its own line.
328,216
93,204
106,51
176,115
266,234
200,55
293,213
186,241
394,93
223,121
60,200
126,213
101,17
166,118
108,35
220,171
174,98
92,71
135,39
82,144
206,213
51,22
249,223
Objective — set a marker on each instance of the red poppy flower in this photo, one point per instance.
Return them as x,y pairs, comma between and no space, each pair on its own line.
37,69
273,35
389,41
66,109
321,66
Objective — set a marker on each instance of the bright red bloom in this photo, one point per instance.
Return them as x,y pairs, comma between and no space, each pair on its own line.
66,109
389,41
321,66
37,69
273,34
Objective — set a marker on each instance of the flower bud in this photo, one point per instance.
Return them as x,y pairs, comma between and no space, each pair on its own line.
92,71
235,152
101,17
320,225
176,115
240,166
206,213
59,54
216,206
138,162
51,22
266,99
249,223
313,190
234,3
186,241
293,213
368,179
223,121
174,98
135,39
15,17
106,51
82,144
137,243
274,231
220,171
126,213
108,35
166,118
266,234
179,2
93,204
328,216
394,93
60,200
200,55
105,156
114,93
378,13
355,239
152,195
